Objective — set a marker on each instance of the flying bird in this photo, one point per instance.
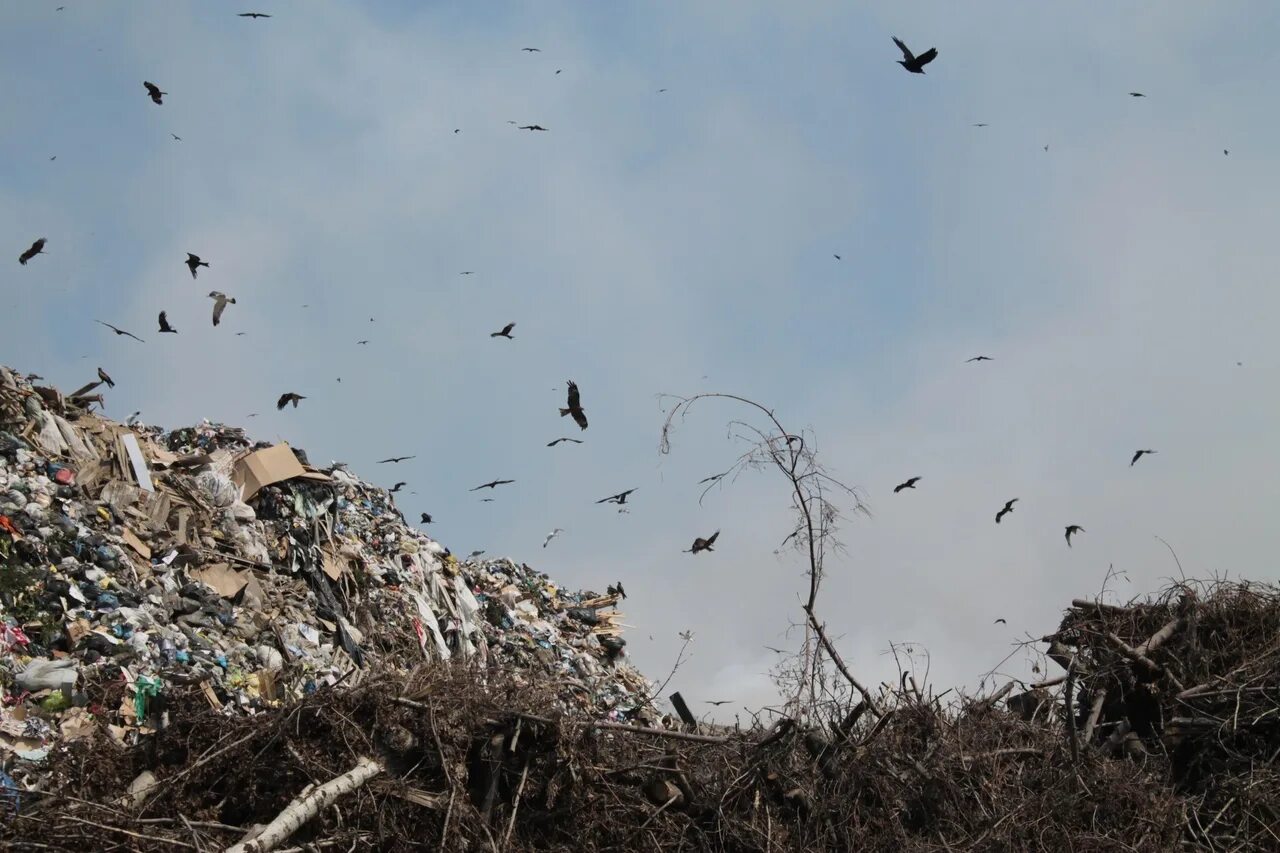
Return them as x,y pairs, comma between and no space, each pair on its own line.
121,332
532,49
978,358
701,544
532,127
505,333
980,124
253,15
620,498
362,343
102,374
552,535
837,257
287,398
575,406
164,324
486,500
1072,529
220,301
466,272
395,459
909,484
1008,508
492,484
718,702
194,261
426,518
1000,622
176,137
37,248
154,91
397,487
475,554
1225,152
558,440
911,62
1138,455
1136,95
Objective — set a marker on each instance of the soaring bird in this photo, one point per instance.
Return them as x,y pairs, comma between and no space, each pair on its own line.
701,544
466,272
397,487
362,343
164,324
253,15
1000,622
1138,455
532,127
909,484
575,406
978,358
505,333
37,248
911,62
558,440
395,459
718,702
980,124
194,261
426,518
474,554
287,398
121,332
102,374
532,49
1072,529
1136,95
176,137
220,301
837,257
492,484
620,498
154,91
1008,508
552,535
486,500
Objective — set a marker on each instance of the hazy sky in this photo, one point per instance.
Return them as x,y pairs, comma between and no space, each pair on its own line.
683,241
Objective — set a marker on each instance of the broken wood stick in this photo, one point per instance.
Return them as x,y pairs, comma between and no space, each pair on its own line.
1086,604
306,806
1094,713
639,730
1158,638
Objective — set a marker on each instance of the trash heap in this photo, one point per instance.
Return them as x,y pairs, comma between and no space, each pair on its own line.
134,562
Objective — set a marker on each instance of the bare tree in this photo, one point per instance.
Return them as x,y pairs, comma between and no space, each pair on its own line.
812,489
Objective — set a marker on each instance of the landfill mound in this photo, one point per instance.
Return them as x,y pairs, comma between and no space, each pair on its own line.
209,644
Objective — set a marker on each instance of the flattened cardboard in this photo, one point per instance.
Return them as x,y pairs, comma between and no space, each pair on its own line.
136,544
333,566
226,580
261,469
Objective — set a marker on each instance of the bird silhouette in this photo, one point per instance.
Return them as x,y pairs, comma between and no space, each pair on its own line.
977,358
718,702
362,343
837,257
395,459
121,332
1000,622
616,589
220,301
474,554
486,500
909,484
102,374
701,544
532,127
176,137
426,518
1072,529
911,62
253,15
531,49
552,535
164,324
505,333
287,398
980,124
1138,455
492,484
575,407
466,272
1136,95
397,487
154,92
558,440
37,248
620,498
194,261
1008,508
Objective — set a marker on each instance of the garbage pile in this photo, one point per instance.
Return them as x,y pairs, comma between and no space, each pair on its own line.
134,562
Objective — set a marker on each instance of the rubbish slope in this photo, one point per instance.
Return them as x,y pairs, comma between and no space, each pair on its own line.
209,644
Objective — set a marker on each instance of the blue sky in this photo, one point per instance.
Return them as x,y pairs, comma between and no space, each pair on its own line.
649,240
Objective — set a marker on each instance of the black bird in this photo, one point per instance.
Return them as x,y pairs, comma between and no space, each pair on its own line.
492,484
474,554
395,459
980,124
1000,622
194,261
1072,529
220,301
718,702
253,15
1136,95
287,398
37,248
1138,456
164,324
532,49
911,62
154,91
466,272
532,127
176,137
1225,152
620,498
558,440
909,484
575,407
102,374
1008,508
616,589
426,518
701,544
978,358
121,332
837,257
505,333
397,487
486,500
362,343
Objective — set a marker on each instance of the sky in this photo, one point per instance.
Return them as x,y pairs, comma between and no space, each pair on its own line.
1103,250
